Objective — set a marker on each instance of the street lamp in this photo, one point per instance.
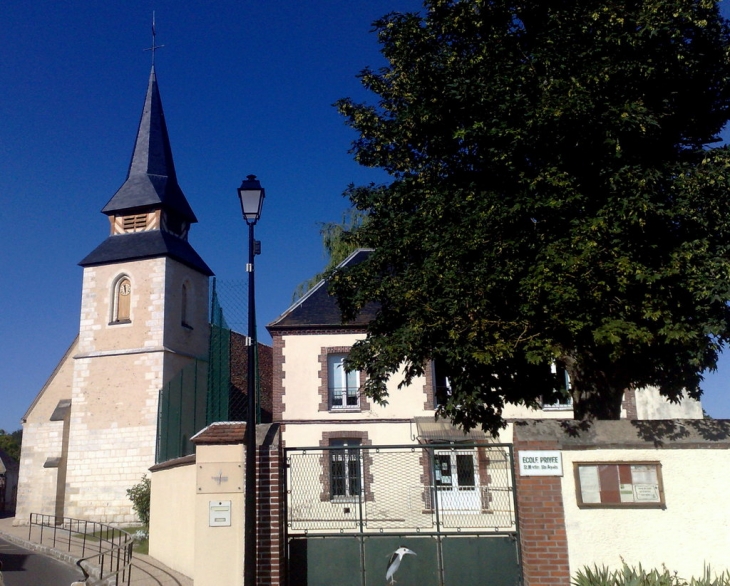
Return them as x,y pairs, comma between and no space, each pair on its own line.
251,196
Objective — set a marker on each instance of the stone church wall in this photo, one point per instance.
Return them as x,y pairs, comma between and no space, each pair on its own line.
43,444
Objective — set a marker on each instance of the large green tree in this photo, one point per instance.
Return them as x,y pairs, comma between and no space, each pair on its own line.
553,200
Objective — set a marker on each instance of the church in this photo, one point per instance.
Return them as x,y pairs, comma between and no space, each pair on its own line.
90,433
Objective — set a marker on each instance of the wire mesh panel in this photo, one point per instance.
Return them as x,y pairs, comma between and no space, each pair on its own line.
400,488
181,411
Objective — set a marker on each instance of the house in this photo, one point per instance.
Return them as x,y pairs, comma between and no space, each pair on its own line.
344,482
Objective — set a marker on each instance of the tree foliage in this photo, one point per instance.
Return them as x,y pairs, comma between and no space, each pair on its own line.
553,200
10,443
337,243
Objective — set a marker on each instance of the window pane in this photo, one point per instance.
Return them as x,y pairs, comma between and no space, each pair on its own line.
465,470
336,372
353,471
353,379
338,475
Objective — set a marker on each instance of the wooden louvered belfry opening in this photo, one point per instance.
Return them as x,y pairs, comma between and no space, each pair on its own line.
134,223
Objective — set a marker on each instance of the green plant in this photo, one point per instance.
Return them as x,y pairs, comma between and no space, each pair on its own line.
139,494
630,576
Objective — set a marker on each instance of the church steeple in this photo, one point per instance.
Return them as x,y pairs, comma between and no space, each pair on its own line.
151,180
149,213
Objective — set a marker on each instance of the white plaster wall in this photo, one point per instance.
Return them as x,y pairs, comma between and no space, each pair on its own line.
379,434
302,381
693,530
522,412
172,518
651,405
219,550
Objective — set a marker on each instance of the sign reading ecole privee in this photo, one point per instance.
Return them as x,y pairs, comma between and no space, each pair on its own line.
540,463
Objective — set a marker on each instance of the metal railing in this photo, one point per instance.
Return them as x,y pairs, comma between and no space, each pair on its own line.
429,488
105,550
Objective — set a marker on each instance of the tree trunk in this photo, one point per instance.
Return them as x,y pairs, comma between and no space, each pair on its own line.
597,403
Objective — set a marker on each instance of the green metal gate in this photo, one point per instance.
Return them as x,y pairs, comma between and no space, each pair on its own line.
349,507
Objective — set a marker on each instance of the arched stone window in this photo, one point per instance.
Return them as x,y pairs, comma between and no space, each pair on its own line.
121,312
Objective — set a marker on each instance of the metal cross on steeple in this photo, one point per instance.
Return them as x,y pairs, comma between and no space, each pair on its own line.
154,46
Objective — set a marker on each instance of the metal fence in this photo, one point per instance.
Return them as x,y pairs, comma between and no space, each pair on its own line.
204,392
434,488
102,550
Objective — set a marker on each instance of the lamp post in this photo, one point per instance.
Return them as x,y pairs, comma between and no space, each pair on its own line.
251,195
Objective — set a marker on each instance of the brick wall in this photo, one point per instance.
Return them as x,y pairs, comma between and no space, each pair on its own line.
270,523
543,537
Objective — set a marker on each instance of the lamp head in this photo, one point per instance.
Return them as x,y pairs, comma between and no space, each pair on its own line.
251,195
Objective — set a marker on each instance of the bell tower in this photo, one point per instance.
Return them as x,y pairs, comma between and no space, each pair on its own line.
143,318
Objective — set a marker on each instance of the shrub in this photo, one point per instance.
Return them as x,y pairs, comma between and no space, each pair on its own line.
139,494
628,576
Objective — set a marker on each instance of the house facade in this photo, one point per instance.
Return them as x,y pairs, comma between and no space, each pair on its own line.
344,482
366,477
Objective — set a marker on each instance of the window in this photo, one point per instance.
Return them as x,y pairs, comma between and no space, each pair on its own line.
442,385
565,401
345,469
344,387
121,310
619,484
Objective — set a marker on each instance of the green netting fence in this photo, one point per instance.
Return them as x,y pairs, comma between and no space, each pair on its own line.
204,392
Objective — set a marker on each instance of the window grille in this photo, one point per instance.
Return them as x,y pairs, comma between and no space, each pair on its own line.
345,469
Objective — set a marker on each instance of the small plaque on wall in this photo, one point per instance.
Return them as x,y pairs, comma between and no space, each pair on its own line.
541,463
219,477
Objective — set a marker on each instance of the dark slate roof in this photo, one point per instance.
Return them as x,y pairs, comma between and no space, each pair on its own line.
319,310
151,179
139,245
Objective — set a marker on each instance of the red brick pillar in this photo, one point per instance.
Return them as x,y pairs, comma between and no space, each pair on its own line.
543,537
270,571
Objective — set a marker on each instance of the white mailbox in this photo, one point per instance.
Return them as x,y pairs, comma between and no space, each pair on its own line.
220,514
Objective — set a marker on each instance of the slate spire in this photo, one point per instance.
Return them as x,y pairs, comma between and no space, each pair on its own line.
151,179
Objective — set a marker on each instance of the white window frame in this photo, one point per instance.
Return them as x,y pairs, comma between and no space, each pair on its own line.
343,386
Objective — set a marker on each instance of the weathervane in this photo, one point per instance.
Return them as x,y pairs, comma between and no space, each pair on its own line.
154,46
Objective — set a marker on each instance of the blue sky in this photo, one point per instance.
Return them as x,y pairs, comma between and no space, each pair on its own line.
247,87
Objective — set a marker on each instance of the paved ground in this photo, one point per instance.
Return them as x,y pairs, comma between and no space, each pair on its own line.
23,567
146,571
